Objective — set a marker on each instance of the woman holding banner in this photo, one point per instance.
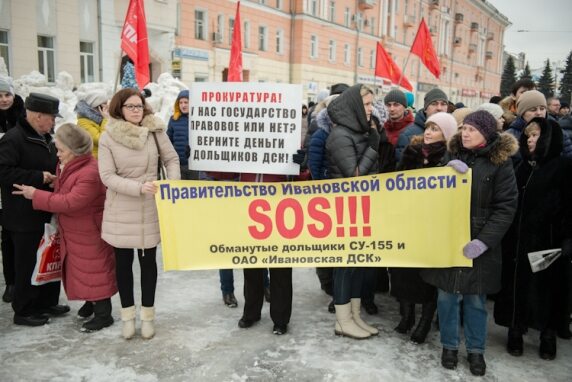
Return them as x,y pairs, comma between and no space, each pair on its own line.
407,287
129,151
352,150
543,221
493,203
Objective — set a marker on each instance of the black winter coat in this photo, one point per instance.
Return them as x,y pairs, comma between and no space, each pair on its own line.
24,155
347,146
9,118
543,219
493,205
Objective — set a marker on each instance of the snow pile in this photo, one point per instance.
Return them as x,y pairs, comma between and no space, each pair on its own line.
164,92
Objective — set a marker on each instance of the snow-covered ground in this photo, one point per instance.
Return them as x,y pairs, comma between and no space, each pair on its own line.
198,339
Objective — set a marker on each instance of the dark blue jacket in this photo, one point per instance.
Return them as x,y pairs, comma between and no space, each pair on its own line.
317,158
178,130
416,128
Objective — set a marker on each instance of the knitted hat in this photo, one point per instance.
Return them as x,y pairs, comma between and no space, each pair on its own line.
74,138
446,123
460,114
528,100
492,108
338,88
483,121
410,99
433,95
96,98
396,96
322,94
6,87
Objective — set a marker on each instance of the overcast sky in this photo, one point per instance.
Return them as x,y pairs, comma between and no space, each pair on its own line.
549,23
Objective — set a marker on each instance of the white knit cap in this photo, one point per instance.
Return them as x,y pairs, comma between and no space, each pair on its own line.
96,97
492,108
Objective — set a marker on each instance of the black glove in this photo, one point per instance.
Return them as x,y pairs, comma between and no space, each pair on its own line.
567,249
374,138
187,151
299,157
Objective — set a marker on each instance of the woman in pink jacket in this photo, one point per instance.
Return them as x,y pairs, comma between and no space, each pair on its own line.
78,198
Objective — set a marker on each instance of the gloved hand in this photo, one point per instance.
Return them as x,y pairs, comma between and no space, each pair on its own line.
187,151
567,249
474,249
459,166
374,138
299,157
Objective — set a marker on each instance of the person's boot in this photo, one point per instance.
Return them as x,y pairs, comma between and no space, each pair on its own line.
8,295
128,318
407,311
332,307
449,359
229,300
86,310
147,324
547,349
356,315
514,343
346,326
477,364
102,316
420,333
370,307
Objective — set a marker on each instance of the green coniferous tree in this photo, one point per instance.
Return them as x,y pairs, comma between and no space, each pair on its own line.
525,75
566,83
546,81
508,77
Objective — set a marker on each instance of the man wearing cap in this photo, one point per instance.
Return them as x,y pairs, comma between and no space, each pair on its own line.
399,117
11,108
28,156
435,101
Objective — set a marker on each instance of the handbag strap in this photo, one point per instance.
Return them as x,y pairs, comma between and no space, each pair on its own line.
161,169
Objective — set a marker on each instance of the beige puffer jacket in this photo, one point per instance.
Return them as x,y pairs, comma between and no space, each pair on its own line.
128,158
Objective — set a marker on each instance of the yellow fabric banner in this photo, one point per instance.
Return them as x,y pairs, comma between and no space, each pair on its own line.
416,218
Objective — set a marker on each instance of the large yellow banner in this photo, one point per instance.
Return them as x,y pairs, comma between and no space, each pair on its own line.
415,218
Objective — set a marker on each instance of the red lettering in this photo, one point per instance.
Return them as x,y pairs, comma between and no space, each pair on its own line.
281,209
314,210
258,217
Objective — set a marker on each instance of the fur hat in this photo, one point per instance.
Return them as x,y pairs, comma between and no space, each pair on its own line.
74,138
396,96
483,121
6,87
43,103
338,88
433,95
492,108
446,123
460,114
96,98
528,100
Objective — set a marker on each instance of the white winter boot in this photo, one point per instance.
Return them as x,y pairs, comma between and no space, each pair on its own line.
346,326
147,325
128,318
356,315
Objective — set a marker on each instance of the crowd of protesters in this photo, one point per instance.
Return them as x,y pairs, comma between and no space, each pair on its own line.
98,178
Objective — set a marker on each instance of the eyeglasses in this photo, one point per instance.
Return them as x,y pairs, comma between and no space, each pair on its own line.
133,107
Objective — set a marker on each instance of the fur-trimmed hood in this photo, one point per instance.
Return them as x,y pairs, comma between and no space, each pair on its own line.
498,150
133,136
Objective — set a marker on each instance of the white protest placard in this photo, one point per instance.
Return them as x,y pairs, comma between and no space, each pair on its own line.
245,127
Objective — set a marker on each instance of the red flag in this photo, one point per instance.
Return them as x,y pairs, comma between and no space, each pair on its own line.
235,64
387,68
134,41
423,47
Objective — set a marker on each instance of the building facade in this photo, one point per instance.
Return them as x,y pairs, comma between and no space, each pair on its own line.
315,43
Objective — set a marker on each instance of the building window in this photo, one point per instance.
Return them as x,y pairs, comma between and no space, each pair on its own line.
230,30
46,61
347,17
280,41
200,25
279,4
4,48
219,28
314,7
86,61
372,25
262,39
246,35
314,46
347,54
372,59
332,50
332,15
360,56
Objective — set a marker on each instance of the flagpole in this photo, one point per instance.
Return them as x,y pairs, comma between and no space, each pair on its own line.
403,70
118,71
